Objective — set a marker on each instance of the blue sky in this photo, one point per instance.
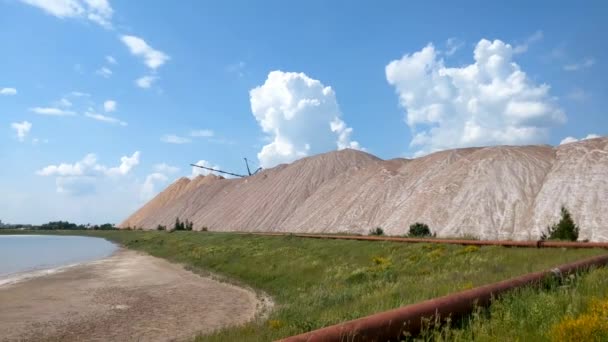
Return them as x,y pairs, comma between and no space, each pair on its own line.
104,103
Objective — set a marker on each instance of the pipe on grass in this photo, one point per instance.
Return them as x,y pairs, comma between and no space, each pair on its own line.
391,325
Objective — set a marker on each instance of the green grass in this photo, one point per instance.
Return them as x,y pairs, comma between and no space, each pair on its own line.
533,314
318,282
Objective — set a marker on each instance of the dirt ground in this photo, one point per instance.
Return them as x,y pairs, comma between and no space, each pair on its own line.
126,297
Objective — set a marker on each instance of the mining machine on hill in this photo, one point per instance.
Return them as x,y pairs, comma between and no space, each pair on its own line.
231,173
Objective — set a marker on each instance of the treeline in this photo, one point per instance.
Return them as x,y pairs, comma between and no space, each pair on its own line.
179,225
59,225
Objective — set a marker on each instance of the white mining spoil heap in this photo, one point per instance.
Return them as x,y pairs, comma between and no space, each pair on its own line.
502,192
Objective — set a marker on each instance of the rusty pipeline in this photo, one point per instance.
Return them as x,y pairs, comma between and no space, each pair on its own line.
391,325
504,243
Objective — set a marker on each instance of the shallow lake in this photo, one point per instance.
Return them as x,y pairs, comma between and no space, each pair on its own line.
20,254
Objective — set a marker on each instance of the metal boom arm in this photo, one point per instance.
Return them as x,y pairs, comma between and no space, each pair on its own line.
220,171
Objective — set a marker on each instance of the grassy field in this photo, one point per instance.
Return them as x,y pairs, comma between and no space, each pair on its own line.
315,283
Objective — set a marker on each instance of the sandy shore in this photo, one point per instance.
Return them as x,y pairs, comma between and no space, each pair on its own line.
126,297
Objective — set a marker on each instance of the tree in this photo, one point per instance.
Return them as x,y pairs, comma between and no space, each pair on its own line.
377,231
419,230
189,225
178,225
565,229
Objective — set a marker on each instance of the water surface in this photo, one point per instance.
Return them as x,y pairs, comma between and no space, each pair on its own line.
20,254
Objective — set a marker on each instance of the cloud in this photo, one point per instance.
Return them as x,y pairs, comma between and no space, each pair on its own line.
104,72
584,64
145,82
578,94
138,47
205,133
452,45
148,189
105,118
111,60
87,165
535,37
174,139
568,140
109,106
79,94
82,176
489,102
199,171
52,111
36,141
300,116
22,129
63,102
8,91
97,11
166,168
126,164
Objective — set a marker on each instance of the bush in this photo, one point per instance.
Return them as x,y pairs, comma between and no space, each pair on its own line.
159,227
419,230
178,225
377,231
182,225
590,326
205,229
565,229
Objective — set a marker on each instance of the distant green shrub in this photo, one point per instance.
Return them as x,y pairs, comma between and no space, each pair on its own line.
565,229
419,230
376,231
182,225
205,229
160,227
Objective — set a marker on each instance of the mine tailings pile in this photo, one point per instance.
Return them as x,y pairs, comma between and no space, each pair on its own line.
493,193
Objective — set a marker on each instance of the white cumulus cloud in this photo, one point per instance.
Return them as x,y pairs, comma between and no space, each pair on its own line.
97,11
489,102
109,106
8,91
200,171
568,140
148,188
22,129
145,82
111,60
166,168
87,165
300,115
126,164
152,58
82,176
